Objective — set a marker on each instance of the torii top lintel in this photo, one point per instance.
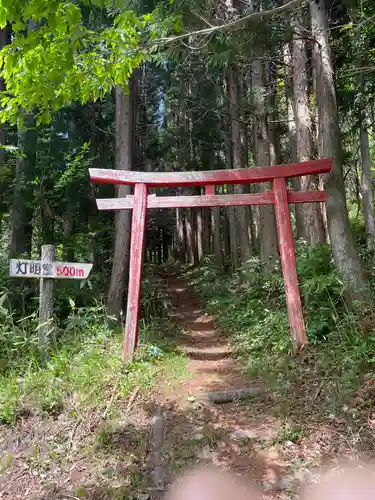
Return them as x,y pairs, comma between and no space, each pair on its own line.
185,179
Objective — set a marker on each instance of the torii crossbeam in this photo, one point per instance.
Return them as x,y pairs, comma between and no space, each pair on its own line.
279,196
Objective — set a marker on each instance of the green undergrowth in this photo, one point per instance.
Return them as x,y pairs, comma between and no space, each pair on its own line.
86,412
251,306
85,368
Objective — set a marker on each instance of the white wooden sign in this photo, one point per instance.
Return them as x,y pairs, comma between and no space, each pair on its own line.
22,268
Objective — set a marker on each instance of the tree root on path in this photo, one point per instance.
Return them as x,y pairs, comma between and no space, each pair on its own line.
222,397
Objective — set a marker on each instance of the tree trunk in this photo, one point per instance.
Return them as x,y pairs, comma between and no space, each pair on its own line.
292,135
273,126
123,161
199,233
96,255
160,247
180,243
206,221
216,238
216,235
47,223
343,248
46,304
231,213
97,148
166,242
238,156
194,228
189,236
3,204
231,229
22,211
226,233
312,229
233,234
366,182
68,227
267,222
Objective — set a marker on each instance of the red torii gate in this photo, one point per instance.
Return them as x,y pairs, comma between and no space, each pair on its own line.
279,196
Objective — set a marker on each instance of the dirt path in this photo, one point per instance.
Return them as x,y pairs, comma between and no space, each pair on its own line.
209,350
221,434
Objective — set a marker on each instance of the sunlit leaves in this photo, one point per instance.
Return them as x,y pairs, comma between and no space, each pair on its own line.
62,61
157,25
98,3
3,16
57,59
76,164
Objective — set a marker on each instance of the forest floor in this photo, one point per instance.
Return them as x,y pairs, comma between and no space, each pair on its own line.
253,438
108,458
227,435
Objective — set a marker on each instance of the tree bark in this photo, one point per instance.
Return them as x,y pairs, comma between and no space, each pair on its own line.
223,397
343,248
233,241
68,230
189,236
216,239
206,220
367,182
273,127
267,222
226,233
47,222
292,134
123,161
180,243
312,229
166,245
3,204
239,160
199,233
22,211
231,213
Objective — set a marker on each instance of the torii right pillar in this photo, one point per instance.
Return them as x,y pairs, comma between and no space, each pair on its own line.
288,263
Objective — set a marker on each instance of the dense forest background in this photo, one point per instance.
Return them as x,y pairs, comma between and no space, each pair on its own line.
243,85
182,85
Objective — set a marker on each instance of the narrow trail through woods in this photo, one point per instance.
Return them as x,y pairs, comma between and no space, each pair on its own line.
209,350
225,434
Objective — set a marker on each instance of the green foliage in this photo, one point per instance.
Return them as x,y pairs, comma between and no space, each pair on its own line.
77,163
322,290
289,432
251,305
153,302
85,362
57,57
85,356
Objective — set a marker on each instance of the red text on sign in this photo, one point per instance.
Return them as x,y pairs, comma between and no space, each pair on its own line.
69,271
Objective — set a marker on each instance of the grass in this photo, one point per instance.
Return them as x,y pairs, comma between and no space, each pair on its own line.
83,372
85,364
77,424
